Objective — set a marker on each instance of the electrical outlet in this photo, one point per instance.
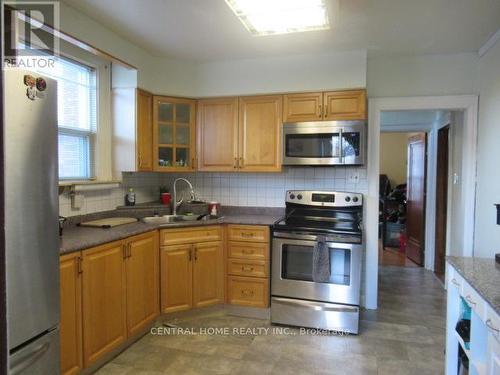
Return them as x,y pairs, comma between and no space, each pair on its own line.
353,177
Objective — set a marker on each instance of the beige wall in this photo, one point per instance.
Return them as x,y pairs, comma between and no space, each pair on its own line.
393,156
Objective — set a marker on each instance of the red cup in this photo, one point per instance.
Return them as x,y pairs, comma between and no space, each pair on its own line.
165,198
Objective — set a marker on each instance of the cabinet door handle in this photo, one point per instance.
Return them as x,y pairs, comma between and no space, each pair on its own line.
246,235
320,109
192,162
490,325
241,163
140,160
190,254
326,111
470,300
247,292
195,254
246,269
247,251
79,265
124,250
235,165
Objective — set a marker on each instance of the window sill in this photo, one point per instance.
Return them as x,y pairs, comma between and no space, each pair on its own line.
63,183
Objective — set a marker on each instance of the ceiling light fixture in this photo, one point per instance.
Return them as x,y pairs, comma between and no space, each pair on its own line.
268,17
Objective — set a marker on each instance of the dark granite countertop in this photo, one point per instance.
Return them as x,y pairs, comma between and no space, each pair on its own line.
483,275
77,238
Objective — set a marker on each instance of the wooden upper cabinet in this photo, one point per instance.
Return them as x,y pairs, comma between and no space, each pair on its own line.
176,282
71,314
144,139
303,107
345,105
174,126
260,122
142,270
217,134
208,274
325,106
104,300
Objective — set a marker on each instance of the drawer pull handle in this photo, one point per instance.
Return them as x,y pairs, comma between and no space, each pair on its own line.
490,325
246,269
455,282
247,251
246,292
470,300
246,235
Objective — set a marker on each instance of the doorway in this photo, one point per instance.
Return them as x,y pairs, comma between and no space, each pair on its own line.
463,192
402,164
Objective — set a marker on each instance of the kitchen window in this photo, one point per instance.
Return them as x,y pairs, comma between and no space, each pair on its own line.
77,117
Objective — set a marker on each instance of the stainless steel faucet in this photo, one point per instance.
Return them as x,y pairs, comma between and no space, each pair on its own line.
191,191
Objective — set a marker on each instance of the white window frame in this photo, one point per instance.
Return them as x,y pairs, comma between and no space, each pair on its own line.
101,153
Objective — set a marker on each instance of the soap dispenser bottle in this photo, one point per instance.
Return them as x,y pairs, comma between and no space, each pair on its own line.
130,198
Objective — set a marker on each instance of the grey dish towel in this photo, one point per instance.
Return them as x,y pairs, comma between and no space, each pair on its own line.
321,261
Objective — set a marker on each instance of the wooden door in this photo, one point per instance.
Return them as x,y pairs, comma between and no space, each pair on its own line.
303,107
176,282
441,200
208,274
174,127
260,133
144,142
71,314
217,134
415,211
143,277
104,300
344,105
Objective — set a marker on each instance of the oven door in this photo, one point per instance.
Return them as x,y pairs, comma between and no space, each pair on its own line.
292,264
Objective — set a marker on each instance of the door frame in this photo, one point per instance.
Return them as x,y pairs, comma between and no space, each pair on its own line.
466,103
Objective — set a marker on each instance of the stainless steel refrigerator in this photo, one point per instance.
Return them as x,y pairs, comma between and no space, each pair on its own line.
31,222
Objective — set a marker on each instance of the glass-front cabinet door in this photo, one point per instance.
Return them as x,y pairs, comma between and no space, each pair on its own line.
174,134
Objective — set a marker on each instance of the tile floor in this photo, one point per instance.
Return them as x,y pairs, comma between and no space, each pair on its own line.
404,336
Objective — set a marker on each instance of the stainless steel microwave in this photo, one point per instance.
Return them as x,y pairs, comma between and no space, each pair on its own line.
324,143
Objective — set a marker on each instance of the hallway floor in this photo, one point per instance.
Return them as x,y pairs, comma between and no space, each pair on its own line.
406,335
392,256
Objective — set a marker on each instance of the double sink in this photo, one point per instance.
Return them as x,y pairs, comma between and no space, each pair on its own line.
175,219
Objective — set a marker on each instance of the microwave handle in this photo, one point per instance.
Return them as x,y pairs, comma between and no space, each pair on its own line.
341,149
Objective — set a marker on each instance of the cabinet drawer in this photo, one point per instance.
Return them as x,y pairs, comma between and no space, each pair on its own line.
248,250
247,291
250,233
474,300
243,267
190,235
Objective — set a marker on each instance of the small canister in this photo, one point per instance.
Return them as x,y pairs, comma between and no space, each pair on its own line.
214,208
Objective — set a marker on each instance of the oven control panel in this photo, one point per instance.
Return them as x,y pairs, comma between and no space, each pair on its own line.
324,198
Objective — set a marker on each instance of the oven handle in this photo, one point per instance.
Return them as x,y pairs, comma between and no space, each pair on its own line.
313,238
318,306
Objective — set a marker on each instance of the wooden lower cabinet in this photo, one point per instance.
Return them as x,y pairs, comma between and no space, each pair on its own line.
192,275
208,274
71,314
142,275
104,300
248,265
248,291
176,278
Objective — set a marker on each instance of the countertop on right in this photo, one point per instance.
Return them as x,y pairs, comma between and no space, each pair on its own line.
483,274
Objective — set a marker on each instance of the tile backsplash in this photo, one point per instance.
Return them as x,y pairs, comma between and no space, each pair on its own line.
235,189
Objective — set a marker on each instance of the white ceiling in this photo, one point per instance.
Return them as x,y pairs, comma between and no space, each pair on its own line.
205,30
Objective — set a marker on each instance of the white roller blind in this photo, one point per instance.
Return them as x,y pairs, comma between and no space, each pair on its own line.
76,117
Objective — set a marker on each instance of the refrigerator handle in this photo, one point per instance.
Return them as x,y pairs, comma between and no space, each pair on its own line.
23,363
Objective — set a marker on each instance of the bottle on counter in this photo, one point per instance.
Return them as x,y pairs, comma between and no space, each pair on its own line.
130,198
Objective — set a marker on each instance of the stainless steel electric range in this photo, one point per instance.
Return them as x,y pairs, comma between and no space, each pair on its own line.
334,218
